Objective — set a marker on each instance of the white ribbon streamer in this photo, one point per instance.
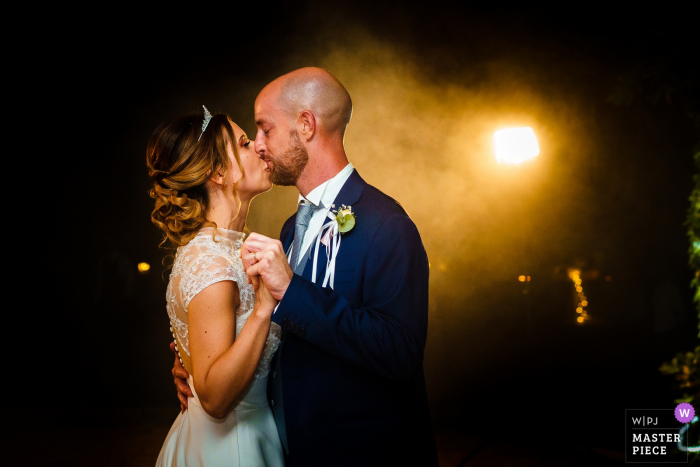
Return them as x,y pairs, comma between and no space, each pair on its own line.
330,236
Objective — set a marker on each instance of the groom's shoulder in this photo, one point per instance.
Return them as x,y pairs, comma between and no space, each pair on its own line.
380,211
379,203
384,219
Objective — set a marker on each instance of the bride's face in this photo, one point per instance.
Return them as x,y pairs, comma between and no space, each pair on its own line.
257,174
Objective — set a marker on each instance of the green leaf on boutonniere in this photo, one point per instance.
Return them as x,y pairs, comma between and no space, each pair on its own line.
346,224
345,218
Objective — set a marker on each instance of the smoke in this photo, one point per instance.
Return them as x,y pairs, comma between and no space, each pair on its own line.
427,142
429,145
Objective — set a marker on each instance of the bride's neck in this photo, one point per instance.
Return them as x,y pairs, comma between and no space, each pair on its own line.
228,215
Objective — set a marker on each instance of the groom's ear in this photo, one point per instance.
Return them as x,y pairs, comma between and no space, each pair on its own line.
306,125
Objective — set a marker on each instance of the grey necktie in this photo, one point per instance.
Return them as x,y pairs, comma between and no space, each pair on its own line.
304,213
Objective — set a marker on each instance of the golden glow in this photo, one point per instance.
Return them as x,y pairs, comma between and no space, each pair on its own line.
521,278
580,319
143,267
528,278
608,278
584,303
515,145
579,310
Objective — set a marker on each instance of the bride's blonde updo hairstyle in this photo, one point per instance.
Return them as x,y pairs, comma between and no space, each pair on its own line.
180,166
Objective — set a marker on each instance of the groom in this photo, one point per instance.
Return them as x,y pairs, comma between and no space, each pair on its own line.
347,385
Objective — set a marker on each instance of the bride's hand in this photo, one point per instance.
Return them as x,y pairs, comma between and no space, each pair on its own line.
265,303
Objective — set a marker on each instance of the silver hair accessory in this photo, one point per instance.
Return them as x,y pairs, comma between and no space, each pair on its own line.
207,117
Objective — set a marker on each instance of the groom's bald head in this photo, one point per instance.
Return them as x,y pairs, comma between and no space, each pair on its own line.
301,119
317,91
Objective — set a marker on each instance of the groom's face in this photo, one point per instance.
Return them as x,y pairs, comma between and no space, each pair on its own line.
277,143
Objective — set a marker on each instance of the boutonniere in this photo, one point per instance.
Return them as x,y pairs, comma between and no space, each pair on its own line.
345,218
340,221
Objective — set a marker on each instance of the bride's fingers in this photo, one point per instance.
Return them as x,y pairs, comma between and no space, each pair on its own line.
255,242
256,245
256,237
252,251
250,259
253,271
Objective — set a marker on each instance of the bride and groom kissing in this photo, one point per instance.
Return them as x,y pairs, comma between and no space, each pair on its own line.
307,351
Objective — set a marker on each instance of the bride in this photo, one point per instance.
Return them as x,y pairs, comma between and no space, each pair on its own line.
205,173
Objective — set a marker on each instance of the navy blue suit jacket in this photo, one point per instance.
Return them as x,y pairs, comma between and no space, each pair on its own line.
352,363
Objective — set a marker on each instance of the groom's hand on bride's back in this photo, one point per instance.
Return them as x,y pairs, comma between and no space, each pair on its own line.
181,375
264,257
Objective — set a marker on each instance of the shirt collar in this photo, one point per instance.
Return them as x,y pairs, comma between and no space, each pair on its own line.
327,191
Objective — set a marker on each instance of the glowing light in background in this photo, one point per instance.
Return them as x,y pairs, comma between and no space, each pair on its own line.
515,145
143,267
575,276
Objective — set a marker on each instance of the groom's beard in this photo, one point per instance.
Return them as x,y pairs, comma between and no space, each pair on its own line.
287,168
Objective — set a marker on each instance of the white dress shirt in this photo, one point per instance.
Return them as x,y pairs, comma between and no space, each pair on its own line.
325,193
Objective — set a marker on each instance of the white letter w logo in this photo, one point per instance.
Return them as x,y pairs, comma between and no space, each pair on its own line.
684,412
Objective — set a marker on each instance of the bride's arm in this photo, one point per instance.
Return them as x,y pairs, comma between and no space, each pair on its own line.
222,367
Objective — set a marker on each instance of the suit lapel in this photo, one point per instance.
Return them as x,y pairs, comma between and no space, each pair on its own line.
351,191
348,195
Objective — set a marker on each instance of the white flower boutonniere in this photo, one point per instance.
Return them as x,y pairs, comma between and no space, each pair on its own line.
345,218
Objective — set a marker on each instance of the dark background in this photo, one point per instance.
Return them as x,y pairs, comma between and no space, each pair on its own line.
430,83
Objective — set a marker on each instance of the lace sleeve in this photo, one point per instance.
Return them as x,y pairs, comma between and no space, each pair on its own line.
203,270
201,263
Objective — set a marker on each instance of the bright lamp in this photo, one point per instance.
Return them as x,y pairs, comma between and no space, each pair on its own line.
515,145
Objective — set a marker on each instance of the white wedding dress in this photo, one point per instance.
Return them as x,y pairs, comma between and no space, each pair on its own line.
248,435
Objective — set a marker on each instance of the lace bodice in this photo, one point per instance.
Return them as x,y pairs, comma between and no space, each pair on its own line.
202,262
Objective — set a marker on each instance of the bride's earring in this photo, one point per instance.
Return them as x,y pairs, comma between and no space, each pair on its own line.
225,183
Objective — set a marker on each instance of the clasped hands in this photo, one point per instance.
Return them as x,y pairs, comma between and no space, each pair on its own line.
264,258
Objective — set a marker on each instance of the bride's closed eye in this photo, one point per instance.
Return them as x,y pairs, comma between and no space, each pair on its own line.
244,141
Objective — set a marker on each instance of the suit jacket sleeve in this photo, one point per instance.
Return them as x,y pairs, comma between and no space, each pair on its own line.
386,334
